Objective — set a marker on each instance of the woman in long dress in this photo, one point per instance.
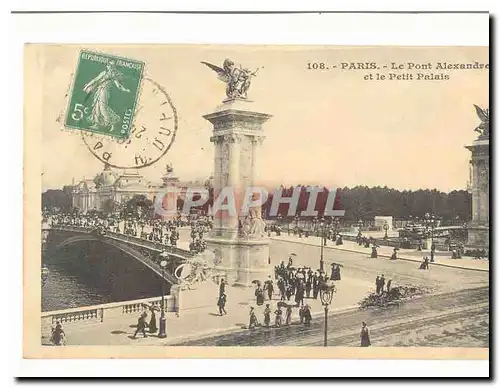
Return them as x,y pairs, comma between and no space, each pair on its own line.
254,322
102,115
365,335
259,295
152,322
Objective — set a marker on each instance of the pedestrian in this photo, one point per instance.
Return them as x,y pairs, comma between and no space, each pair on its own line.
268,285
288,317
307,315
279,317
315,286
222,287
141,325
289,292
334,266
58,337
432,255
299,293
152,321
365,335
389,285
222,304
282,288
254,322
382,284
374,254
377,284
259,295
308,287
267,315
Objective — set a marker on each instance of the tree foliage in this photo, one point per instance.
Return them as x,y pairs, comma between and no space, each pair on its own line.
55,198
363,202
136,202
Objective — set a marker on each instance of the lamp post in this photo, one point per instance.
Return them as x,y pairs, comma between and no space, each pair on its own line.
163,320
360,225
386,228
326,294
430,221
465,228
321,259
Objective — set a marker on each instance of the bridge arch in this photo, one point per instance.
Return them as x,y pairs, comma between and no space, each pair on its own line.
124,247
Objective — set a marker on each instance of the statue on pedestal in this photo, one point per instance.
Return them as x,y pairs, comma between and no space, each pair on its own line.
253,226
237,80
484,128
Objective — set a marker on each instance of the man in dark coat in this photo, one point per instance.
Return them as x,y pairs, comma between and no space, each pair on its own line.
222,287
282,288
299,293
315,284
222,304
382,283
141,325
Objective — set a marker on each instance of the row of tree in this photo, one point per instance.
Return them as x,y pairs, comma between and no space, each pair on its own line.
360,202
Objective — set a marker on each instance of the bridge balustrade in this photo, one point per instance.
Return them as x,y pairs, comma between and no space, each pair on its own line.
128,238
95,315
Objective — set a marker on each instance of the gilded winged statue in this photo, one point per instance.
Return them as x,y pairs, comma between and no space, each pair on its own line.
237,80
484,115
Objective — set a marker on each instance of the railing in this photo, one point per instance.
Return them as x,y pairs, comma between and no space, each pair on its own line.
99,313
128,238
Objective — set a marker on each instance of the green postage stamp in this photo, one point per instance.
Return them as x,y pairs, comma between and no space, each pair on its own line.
104,94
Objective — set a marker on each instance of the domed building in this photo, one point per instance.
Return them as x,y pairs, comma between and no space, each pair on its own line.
96,193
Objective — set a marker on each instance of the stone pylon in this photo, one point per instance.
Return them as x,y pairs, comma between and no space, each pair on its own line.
238,137
478,229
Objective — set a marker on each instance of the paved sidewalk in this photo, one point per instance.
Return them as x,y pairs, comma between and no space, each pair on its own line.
441,258
199,315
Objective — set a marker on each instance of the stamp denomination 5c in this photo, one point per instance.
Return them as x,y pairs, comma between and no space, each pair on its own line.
104,94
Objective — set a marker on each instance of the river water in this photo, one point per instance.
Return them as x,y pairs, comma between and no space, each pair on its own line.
63,291
90,273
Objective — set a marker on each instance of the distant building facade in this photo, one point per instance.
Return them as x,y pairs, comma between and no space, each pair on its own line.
110,186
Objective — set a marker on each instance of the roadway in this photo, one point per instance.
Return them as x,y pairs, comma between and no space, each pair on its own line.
455,314
446,320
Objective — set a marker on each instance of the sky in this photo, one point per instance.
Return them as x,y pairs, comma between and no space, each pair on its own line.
328,127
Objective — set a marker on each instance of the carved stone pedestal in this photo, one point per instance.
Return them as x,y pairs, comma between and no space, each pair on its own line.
237,136
242,260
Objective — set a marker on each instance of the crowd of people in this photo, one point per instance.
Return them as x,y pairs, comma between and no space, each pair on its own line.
165,232
199,228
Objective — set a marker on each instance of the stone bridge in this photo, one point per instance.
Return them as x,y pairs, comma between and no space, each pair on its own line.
145,251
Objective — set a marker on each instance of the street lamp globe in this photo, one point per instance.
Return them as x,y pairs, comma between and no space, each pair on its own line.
163,263
326,292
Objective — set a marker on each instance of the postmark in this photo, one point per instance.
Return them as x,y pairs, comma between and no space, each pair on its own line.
151,136
104,95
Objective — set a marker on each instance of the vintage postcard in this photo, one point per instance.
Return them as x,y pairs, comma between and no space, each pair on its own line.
214,201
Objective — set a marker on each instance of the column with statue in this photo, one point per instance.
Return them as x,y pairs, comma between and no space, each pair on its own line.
238,240
478,229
